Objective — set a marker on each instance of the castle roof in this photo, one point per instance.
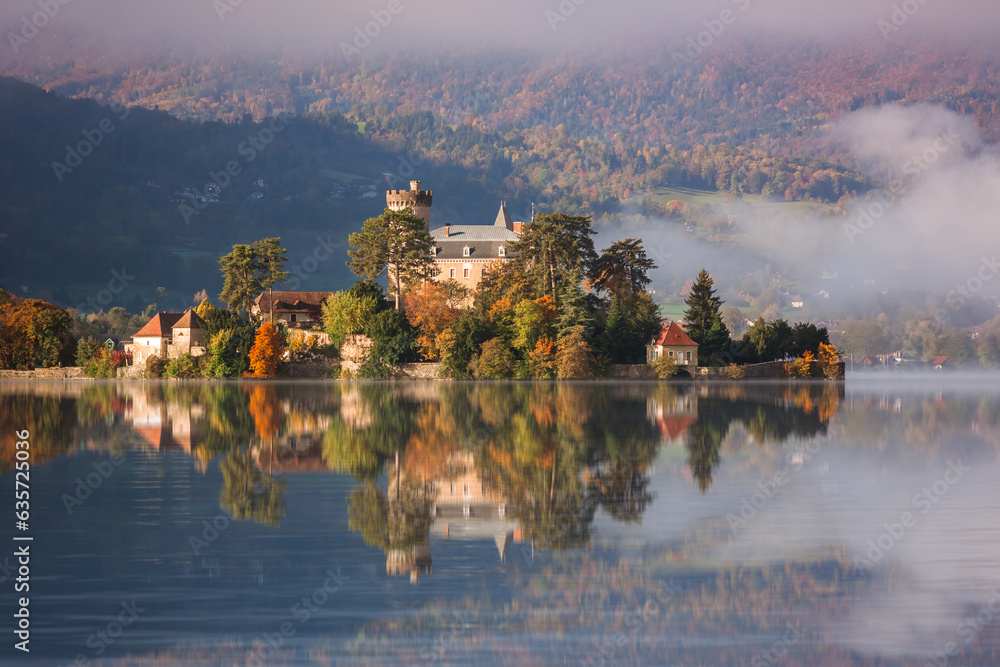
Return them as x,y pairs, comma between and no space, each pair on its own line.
159,326
503,218
673,336
190,320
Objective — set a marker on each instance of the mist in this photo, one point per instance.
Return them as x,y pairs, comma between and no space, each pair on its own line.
933,228
595,25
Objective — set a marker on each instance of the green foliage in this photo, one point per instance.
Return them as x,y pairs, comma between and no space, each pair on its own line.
768,340
395,242
241,272
665,367
703,320
231,359
622,267
86,348
551,246
183,367
394,342
348,312
496,361
574,310
633,320
470,331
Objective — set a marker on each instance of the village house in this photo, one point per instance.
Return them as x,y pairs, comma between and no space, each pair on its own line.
295,308
462,253
168,336
673,342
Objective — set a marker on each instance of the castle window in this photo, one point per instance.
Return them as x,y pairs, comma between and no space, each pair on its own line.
483,273
451,273
466,251
434,252
503,251
465,273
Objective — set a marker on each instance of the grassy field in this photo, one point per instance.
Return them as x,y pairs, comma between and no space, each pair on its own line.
758,204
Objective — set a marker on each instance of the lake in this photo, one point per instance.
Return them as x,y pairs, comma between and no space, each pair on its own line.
419,523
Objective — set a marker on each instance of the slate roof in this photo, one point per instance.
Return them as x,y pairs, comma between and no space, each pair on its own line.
159,326
672,335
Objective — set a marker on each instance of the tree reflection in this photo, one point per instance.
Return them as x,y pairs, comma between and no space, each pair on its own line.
248,493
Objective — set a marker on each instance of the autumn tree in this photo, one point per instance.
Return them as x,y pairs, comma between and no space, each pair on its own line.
35,334
266,352
575,359
431,309
394,243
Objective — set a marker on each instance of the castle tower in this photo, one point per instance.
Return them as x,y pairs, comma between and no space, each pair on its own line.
415,198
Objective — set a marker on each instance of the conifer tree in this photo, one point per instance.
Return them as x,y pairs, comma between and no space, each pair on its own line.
703,319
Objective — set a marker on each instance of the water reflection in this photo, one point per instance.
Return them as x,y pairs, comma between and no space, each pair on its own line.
554,515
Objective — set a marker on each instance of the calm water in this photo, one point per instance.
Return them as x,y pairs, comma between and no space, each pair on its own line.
527,524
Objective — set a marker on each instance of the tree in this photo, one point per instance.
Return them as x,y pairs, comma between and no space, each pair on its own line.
552,245
271,260
622,267
393,343
346,313
768,340
468,333
431,309
573,307
703,319
633,320
35,334
241,270
266,352
394,242
496,360
575,359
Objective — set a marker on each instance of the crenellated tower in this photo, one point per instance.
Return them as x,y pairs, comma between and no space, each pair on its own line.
414,198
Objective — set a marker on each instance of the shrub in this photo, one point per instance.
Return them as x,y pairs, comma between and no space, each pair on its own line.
734,372
154,367
665,367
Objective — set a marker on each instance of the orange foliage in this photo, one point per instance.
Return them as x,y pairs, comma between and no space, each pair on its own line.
266,352
543,357
427,308
265,410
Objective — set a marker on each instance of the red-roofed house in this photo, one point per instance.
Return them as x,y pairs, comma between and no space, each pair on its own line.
169,335
674,342
291,307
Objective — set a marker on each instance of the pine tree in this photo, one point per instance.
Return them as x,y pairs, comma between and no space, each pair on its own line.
394,242
703,319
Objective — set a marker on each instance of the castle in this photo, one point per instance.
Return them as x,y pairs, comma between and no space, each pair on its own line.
461,252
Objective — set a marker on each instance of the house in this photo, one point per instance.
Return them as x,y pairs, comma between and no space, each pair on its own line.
168,336
938,363
290,307
672,341
461,252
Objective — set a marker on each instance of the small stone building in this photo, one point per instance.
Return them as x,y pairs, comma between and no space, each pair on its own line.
672,341
168,336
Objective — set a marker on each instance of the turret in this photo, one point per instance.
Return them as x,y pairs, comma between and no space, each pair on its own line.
414,198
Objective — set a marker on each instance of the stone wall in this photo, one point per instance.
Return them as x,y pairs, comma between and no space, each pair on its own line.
630,372
353,352
425,371
66,373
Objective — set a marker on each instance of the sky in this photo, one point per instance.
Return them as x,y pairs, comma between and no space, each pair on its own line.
594,24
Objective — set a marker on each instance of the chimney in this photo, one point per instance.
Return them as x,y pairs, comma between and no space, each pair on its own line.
414,186
518,227
447,229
